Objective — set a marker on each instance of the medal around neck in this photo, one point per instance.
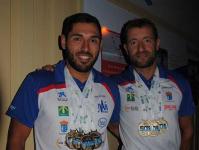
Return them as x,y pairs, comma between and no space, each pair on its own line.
153,127
79,140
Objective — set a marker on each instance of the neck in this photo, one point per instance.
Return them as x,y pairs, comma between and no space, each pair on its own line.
81,76
147,72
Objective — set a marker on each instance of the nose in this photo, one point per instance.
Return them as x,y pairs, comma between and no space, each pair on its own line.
85,45
141,46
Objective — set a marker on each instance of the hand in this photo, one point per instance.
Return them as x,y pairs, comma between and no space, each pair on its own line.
47,68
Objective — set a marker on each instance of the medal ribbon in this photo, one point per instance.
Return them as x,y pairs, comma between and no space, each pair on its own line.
151,103
81,103
150,99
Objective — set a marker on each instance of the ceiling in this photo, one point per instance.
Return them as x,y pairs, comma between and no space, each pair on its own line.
180,15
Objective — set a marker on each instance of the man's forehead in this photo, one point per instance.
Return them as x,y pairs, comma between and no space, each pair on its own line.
140,32
85,28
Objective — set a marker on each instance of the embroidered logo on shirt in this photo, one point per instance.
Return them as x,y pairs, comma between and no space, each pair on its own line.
169,95
63,110
128,108
61,96
103,107
102,122
63,126
169,107
130,97
12,107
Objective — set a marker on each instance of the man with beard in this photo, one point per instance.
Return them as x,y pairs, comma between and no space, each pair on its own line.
70,107
156,104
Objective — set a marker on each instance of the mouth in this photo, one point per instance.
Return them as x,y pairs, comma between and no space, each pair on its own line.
142,54
84,58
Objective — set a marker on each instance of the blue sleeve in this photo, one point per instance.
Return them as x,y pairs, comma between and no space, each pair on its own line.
24,106
116,112
187,107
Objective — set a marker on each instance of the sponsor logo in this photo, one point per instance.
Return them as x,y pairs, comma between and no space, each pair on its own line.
130,89
131,108
12,107
130,97
63,126
102,122
102,107
100,96
169,96
61,96
63,110
59,142
169,107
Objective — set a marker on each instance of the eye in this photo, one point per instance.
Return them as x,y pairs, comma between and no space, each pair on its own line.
133,42
95,40
76,38
148,40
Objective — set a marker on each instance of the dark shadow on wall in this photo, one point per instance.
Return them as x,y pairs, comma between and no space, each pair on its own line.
1,109
191,72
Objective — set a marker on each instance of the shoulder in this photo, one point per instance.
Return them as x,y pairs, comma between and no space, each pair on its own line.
124,77
40,76
43,77
101,78
176,77
107,82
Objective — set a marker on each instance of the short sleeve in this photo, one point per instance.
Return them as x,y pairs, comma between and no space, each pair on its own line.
24,106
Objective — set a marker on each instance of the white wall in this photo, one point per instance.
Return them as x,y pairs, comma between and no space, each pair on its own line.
113,17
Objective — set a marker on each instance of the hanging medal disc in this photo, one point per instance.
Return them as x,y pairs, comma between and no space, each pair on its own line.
144,128
163,125
155,129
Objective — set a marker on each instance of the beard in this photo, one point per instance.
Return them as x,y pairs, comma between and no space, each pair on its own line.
78,65
149,59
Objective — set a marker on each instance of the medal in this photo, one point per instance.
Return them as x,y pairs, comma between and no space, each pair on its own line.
155,130
163,125
79,140
144,128
151,105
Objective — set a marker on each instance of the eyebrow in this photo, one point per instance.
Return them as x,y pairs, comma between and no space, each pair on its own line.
93,36
151,37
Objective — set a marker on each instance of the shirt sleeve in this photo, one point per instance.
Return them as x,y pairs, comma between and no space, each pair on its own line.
187,106
24,106
116,111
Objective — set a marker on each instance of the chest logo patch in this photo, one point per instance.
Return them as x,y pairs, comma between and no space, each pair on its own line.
102,122
169,96
63,126
103,107
61,96
63,110
130,96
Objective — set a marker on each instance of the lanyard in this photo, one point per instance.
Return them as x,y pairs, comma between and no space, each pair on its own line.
82,113
150,99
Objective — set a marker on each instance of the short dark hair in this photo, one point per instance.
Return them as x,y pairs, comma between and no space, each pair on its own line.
140,22
79,18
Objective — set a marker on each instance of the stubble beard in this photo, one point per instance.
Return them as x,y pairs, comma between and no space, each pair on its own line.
81,66
149,62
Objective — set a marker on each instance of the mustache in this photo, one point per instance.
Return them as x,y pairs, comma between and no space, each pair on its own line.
143,52
85,53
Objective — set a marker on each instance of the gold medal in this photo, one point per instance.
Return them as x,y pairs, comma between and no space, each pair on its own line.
79,140
144,128
155,130
163,125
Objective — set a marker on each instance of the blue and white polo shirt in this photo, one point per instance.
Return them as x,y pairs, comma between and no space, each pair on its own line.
175,99
42,103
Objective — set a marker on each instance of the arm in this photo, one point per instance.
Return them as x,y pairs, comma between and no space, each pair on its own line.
17,135
186,127
114,129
